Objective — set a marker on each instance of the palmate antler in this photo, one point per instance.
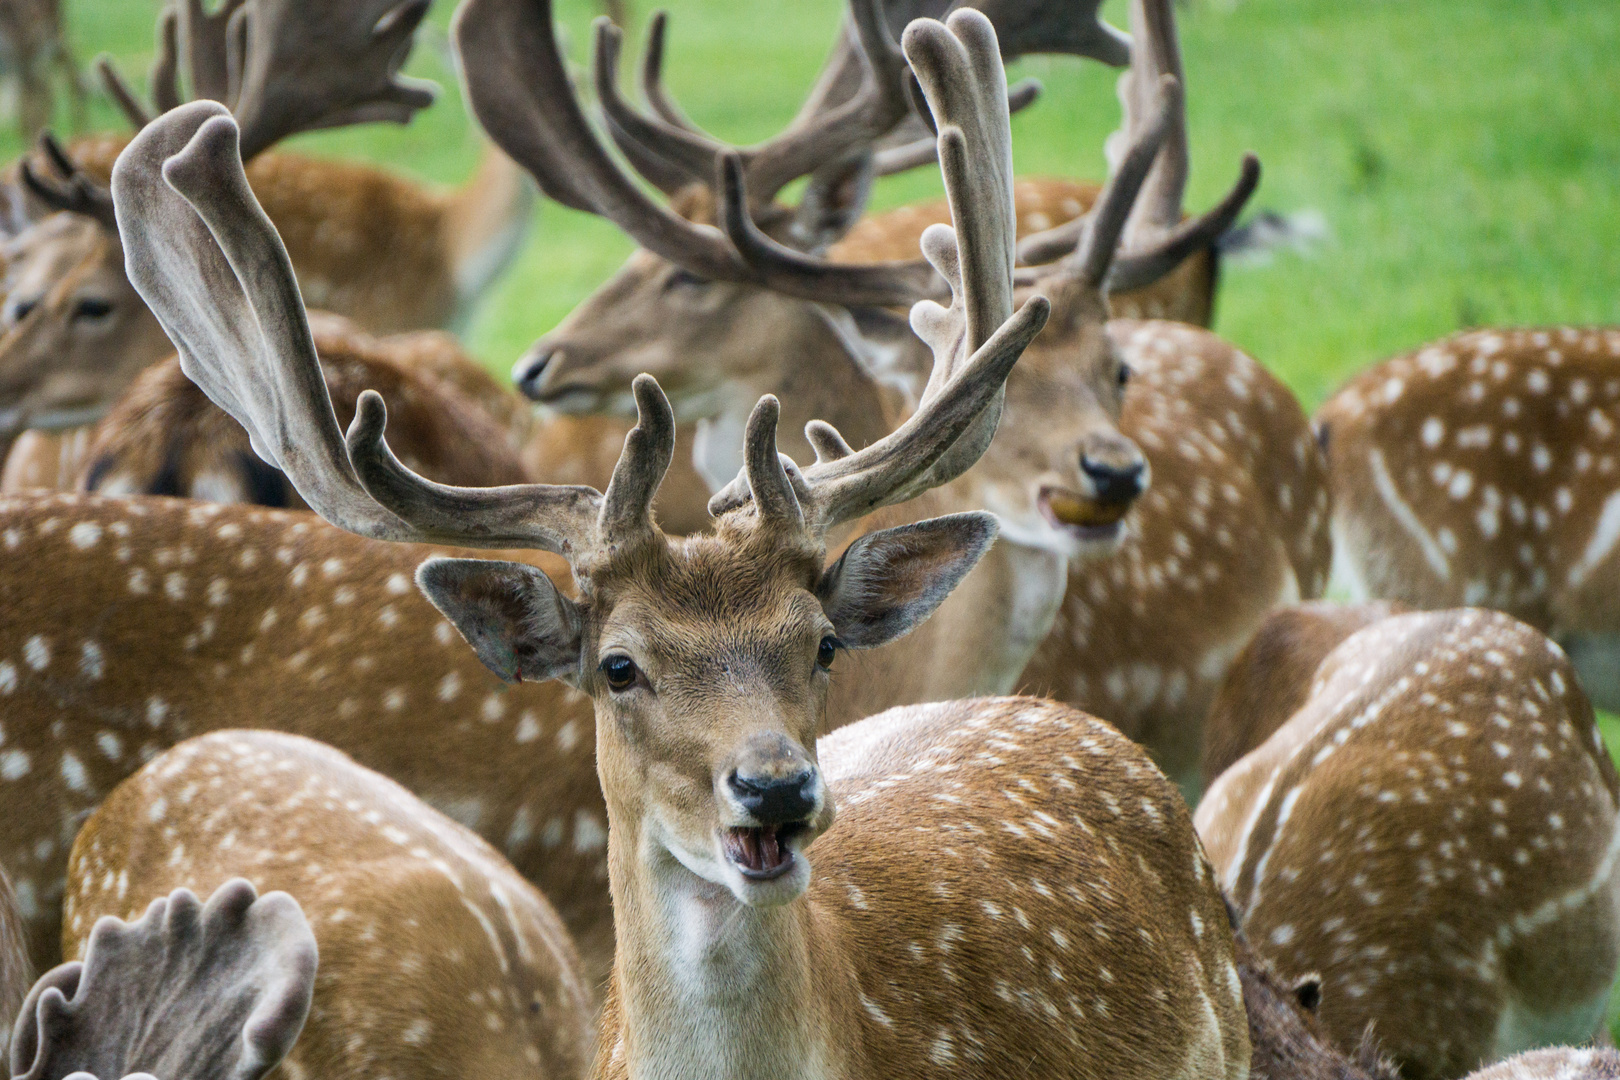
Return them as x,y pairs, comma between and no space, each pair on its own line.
189,992
1156,239
210,265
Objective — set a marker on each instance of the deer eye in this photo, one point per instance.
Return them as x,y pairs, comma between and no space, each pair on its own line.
827,652
1124,375
620,671
92,308
20,310
681,278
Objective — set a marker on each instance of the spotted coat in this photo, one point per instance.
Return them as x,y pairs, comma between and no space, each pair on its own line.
1434,833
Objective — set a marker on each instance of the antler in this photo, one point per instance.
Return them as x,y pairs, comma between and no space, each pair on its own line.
975,341
70,189
190,992
1156,238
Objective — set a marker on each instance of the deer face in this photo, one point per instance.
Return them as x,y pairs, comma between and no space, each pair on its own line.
1060,474
709,660
76,332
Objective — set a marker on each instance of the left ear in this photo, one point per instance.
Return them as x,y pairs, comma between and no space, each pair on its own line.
517,622
888,582
833,202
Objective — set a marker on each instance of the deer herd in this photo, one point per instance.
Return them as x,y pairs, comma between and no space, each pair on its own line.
875,618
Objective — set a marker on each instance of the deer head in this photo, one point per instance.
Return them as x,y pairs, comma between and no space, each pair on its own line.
76,332
706,658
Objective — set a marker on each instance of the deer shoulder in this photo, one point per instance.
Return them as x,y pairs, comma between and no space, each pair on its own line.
432,948
1433,834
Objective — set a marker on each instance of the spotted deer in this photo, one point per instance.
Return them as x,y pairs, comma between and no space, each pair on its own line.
1433,833
386,251
1239,523
1485,469
1270,679
32,47
706,660
187,991
432,948
164,437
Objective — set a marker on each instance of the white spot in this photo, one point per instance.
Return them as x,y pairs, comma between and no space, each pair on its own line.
589,833
450,686
416,1032
568,736
1283,934
14,765
398,584
92,662
73,774
112,748
8,677
84,535
528,728
1433,432
37,652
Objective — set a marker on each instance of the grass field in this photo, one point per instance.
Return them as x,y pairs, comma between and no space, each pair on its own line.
1464,154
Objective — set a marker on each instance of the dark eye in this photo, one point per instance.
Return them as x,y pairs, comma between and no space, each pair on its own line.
680,278
1124,375
620,671
21,310
92,308
827,652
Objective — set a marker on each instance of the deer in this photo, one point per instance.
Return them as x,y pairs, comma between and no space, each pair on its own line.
1237,471
1270,679
377,247
706,660
431,944
188,990
1482,469
164,437
1433,834
32,45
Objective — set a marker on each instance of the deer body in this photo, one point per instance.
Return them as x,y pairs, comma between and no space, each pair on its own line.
1023,793
433,950
185,617
1485,469
1434,833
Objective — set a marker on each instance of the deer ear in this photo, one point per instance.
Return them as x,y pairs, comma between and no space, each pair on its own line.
833,201
1308,992
517,622
888,582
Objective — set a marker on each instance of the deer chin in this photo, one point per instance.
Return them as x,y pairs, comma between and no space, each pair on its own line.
1091,525
766,863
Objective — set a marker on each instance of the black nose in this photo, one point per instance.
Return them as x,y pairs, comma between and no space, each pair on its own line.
1113,483
531,369
776,800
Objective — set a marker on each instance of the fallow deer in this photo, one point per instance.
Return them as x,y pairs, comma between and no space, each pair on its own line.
368,244
187,992
1270,680
1239,525
1434,834
706,660
1485,469
433,950
164,437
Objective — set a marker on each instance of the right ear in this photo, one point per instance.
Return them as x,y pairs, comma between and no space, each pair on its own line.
517,622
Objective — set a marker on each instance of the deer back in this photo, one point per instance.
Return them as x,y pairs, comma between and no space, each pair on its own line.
1434,834
436,957
185,617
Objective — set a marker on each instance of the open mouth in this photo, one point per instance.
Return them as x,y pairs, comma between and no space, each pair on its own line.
761,853
1086,519
568,399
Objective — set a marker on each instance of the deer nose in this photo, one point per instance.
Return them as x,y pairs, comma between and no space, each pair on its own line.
531,369
1114,481
776,800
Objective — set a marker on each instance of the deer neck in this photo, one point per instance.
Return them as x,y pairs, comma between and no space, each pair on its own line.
709,988
818,377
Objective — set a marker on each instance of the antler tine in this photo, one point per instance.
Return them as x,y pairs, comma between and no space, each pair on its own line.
519,89
71,189
1138,268
659,150
766,471
165,74
205,48
112,80
652,75
313,64
209,264
1057,26
978,339
1106,221
648,449
1155,54
901,157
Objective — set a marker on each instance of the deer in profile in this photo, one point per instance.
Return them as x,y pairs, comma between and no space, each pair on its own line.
432,947
1433,834
707,662
1485,469
381,249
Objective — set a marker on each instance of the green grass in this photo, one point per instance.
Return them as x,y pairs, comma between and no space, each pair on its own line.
1465,155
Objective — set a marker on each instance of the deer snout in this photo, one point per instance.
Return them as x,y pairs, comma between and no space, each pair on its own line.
531,368
1114,470
774,782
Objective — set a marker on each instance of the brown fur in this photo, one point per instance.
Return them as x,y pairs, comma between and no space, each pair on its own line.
185,617
1271,678
1433,833
16,973
436,959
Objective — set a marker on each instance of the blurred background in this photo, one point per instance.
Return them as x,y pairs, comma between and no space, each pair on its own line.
1461,158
